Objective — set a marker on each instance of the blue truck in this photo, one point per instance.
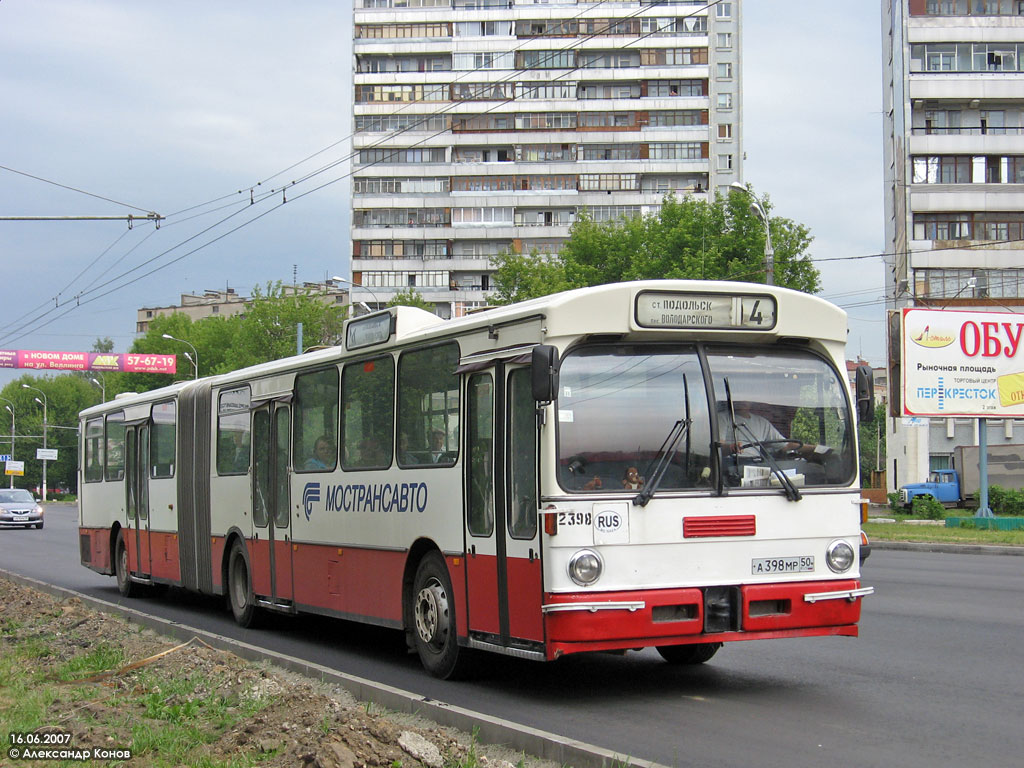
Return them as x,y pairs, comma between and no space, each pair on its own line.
959,486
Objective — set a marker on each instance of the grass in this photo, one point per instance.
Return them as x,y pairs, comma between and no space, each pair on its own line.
165,720
901,530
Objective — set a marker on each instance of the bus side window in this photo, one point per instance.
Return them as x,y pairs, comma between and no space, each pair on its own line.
162,440
367,413
428,407
233,432
315,446
94,450
115,446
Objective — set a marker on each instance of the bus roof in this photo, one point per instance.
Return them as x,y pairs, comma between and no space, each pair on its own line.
602,310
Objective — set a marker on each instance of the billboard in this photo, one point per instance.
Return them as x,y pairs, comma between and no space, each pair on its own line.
130,362
962,363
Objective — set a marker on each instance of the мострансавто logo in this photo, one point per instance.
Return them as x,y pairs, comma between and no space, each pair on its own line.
310,494
929,338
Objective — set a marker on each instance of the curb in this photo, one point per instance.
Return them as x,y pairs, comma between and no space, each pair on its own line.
489,730
953,549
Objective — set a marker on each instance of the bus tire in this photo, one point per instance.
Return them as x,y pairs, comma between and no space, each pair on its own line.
125,585
240,595
433,617
696,653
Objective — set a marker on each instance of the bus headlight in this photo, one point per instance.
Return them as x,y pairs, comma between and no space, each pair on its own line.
585,567
839,556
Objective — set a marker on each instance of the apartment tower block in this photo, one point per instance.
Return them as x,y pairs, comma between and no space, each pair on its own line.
954,184
487,126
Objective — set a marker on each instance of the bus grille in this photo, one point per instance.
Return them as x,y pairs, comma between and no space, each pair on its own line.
719,525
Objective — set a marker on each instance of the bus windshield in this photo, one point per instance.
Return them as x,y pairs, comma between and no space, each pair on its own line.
617,406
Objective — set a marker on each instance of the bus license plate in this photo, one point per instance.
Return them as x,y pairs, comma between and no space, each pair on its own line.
761,565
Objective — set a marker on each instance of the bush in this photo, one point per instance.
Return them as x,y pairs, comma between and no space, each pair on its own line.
1005,501
928,508
894,502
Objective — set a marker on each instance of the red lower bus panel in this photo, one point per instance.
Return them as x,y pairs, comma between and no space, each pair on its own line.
782,606
672,616
524,590
354,582
681,613
95,545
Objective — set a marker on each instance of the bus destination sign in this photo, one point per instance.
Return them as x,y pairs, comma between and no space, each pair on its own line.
705,310
368,330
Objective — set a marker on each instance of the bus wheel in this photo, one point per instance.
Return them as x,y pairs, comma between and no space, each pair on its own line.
240,596
433,613
697,653
125,585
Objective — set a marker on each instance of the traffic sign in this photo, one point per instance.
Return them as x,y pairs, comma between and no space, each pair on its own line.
15,467
47,454
5,457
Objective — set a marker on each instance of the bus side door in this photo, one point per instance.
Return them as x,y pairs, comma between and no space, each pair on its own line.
137,499
502,546
522,537
271,560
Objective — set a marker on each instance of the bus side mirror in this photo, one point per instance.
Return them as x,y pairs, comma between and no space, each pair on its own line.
544,370
864,383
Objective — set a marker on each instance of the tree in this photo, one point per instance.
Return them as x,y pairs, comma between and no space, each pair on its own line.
269,328
521,276
66,395
718,239
410,298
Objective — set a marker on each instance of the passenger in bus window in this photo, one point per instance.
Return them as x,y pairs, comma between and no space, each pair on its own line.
438,454
371,453
406,457
323,454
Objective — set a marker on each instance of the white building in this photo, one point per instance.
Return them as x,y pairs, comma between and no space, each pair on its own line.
954,176
486,126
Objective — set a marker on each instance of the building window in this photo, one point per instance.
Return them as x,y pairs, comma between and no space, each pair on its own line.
724,11
677,150
725,162
724,70
725,101
723,40
724,131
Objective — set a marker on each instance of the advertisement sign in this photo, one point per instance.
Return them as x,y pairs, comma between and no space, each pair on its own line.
15,468
963,363
130,362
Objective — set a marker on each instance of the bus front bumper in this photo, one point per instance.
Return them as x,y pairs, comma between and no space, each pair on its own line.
579,622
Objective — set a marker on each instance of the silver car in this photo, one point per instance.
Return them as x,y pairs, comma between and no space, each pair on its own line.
19,508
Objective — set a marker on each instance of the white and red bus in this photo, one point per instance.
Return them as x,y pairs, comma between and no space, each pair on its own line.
659,463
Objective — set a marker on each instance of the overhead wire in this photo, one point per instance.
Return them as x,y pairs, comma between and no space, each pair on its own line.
512,75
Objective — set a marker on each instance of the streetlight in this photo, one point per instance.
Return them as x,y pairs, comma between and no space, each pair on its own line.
758,210
102,386
10,409
338,279
193,360
45,426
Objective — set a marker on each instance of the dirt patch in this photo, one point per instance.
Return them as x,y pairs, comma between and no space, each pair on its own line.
111,684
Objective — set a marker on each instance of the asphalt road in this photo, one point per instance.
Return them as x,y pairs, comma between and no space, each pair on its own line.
935,678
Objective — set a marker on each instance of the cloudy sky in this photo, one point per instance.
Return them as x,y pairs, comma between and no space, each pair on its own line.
190,109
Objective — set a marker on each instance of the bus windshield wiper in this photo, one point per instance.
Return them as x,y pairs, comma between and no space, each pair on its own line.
666,454
792,493
667,451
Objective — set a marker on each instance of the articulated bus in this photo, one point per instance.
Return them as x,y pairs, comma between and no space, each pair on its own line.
658,463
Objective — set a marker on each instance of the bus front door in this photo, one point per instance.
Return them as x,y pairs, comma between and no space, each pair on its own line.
502,553
136,476
271,558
